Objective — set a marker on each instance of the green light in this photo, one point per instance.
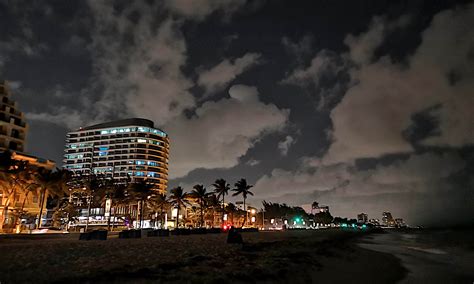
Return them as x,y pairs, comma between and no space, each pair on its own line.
297,220
364,226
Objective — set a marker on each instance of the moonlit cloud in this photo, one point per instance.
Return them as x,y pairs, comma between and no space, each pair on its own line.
218,77
199,9
285,145
206,140
377,109
144,78
421,178
372,119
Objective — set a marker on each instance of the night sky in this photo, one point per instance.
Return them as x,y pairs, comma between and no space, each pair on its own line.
365,106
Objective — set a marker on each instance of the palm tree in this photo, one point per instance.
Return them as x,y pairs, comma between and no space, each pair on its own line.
200,193
25,184
231,209
86,185
212,202
120,199
51,183
242,188
11,175
159,201
221,188
139,192
178,198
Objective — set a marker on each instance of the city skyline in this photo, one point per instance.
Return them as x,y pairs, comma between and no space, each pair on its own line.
365,110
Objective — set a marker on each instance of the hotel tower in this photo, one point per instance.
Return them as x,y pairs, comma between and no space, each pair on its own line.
125,148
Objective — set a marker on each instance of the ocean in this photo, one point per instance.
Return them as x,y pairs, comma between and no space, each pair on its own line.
430,256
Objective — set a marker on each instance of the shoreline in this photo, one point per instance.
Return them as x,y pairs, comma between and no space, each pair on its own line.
266,257
429,256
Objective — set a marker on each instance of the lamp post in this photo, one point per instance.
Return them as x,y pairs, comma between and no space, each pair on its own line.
88,212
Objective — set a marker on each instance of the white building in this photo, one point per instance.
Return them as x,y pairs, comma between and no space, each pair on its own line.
125,148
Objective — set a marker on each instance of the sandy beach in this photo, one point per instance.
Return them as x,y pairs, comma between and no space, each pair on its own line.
276,257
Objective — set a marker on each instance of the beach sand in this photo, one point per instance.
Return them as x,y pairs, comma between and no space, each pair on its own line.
266,257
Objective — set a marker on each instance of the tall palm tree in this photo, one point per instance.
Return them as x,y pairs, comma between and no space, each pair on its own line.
120,199
212,202
231,209
178,198
200,193
243,188
52,183
87,185
221,188
139,192
26,184
161,203
11,175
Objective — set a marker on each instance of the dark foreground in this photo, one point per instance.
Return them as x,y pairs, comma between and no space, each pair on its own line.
276,257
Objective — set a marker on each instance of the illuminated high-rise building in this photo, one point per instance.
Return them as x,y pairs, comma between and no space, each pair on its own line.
130,148
387,219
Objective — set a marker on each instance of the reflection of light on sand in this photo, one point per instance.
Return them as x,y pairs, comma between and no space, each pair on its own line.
428,250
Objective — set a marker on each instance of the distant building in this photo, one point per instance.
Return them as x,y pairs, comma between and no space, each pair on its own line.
130,148
12,122
362,218
400,223
374,222
387,219
34,161
316,208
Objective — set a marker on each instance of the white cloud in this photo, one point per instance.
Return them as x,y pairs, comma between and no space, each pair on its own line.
326,65
375,111
63,116
200,9
221,132
219,76
253,162
418,168
421,178
285,145
138,72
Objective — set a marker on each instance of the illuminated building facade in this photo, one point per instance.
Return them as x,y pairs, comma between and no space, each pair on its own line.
13,129
130,148
12,122
387,219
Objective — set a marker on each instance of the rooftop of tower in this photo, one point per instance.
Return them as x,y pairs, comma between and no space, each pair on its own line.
122,122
